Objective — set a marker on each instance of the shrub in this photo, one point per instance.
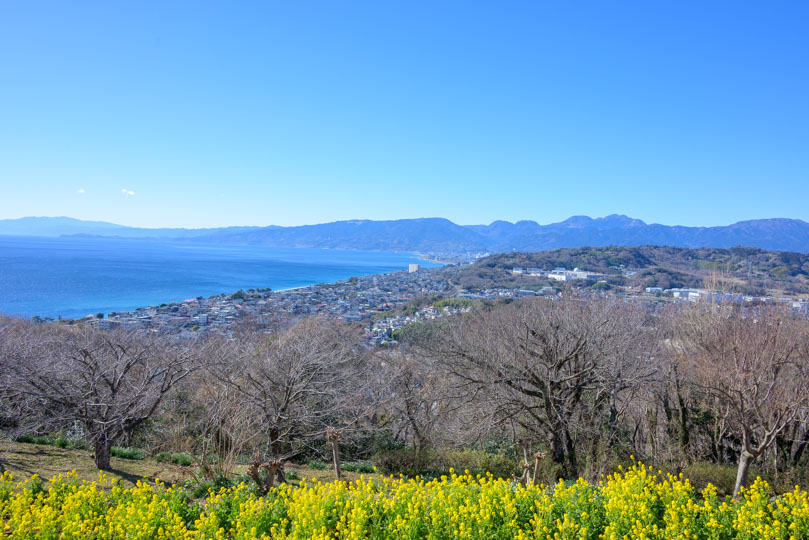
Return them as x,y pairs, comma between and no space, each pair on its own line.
436,463
316,464
364,467
128,453
183,459
722,476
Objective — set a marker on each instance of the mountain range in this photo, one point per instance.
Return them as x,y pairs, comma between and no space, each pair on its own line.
439,235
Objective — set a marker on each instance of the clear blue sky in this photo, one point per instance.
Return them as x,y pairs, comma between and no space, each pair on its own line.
193,114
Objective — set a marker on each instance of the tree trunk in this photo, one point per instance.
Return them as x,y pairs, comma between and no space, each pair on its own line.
745,459
557,448
798,452
572,467
103,449
683,421
335,454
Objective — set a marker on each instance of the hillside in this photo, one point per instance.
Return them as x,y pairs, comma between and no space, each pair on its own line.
750,270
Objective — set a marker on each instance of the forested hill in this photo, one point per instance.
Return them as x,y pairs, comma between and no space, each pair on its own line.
654,266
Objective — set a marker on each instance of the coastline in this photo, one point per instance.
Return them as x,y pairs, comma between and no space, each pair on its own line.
45,276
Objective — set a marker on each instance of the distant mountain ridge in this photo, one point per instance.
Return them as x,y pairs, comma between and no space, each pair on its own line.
439,235
66,226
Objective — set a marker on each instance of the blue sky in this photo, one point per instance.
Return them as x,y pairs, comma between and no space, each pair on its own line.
237,113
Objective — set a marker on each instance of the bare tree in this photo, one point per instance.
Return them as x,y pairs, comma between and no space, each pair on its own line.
561,370
297,382
110,382
422,408
225,429
753,361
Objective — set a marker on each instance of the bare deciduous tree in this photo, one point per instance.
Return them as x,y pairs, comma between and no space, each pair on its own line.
754,362
561,370
421,406
110,382
297,382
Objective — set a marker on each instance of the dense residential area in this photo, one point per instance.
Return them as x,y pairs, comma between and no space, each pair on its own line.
382,304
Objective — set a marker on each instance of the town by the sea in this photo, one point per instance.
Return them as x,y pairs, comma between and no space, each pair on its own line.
73,277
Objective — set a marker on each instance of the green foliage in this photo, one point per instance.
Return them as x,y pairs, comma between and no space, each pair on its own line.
182,458
238,295
128,453
363,467
453,303
316,464
703,473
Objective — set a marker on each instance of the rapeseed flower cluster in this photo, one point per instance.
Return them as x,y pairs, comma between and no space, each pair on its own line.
636,503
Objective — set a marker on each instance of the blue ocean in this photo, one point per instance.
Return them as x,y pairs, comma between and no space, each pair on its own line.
73,277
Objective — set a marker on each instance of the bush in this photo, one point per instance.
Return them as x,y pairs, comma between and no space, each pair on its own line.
128,453
61,441
183,459
202,488
316,464
364,467
44,439
435,463
722,476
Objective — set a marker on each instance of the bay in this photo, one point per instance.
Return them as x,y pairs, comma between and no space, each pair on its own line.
73,276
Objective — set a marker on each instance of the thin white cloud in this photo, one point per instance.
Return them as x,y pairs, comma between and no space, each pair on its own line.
80,191
128,192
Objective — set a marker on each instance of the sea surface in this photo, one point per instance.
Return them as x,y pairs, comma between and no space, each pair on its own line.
73,277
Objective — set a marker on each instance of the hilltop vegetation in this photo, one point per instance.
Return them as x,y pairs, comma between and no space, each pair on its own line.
750,270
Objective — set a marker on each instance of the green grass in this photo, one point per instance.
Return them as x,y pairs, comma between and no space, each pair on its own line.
178,458
24,460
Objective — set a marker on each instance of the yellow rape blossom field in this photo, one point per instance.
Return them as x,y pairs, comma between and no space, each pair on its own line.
636,503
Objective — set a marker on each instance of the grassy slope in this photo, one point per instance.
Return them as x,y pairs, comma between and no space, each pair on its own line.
23,460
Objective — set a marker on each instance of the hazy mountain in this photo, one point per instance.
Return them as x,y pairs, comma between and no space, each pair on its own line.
441,235
55,226
65,226
424,235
